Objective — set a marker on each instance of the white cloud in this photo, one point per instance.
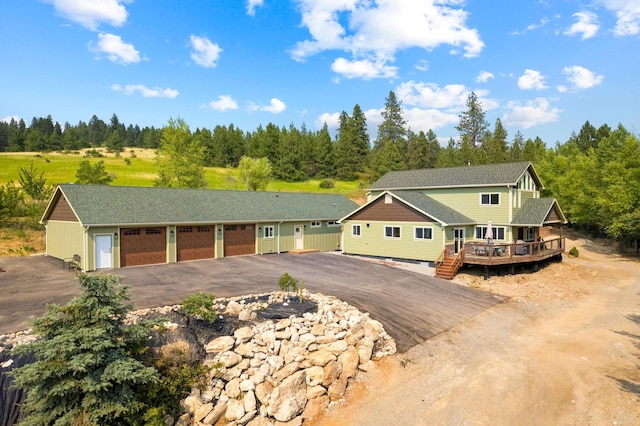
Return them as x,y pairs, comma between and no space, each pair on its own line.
429,95
587,25
115,49
146,92
364,69
90,13
224,102
422,65
530,80
377,30
582,78
205,53
531,113
332,119
429,119
275,106
484,76
628,16
252,5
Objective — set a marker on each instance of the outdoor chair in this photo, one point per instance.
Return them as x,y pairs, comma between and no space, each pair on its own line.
72,262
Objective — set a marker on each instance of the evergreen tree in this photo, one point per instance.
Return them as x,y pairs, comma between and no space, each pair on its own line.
392,132
496,145
417,151
449,156
345,149
472,129
360,138
88,368
517,146
288,165
325,159
433,149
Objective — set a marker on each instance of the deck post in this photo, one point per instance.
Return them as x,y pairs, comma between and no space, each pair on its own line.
486,273
536,266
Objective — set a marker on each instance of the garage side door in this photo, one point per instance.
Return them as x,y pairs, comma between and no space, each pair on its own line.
143,246
239,240
195,242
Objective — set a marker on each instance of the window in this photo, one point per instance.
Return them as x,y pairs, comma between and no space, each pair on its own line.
185,230
316,224
230,227
497,231
268,232
132,232
490,199
421,233
332,223
153,231
392,231
204,229
355,230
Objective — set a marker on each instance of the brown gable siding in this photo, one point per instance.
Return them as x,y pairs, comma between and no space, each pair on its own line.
553,216
62,211
396,211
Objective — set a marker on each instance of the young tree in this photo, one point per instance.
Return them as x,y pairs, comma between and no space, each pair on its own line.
33,183
88,367
180,157
254,172
92,175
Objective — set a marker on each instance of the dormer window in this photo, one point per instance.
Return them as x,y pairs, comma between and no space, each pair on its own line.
492,199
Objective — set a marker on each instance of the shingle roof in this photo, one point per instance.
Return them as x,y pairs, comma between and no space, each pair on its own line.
464,176
116,205
433,208
534,211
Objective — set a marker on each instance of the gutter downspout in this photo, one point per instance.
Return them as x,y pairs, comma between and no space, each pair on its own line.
85,248
279,236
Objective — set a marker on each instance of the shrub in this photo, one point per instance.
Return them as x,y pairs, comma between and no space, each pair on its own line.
327,184
287,283
88,365
201,305
574,252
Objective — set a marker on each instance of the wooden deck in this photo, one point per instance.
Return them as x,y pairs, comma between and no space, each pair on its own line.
483,254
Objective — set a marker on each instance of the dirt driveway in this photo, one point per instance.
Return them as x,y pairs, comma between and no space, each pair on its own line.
563,350
412,307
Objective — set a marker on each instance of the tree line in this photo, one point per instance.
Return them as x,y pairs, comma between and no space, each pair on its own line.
595,174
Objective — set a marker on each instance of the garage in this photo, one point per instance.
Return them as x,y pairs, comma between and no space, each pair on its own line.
195,242
143,246
239,240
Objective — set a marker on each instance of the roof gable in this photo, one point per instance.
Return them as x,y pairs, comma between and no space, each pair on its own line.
539,212
115,205
506,174
424,205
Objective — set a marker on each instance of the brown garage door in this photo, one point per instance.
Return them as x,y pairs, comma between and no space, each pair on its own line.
195,242
239,239
143,246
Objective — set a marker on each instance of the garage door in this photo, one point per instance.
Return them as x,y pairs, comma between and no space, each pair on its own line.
143,246
239,239
195,242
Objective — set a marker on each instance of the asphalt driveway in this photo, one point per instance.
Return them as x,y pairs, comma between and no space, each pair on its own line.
412,307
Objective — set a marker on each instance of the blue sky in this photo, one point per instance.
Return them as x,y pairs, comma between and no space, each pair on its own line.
542,67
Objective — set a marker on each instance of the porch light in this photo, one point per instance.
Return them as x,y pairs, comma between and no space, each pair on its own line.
115,235
172,233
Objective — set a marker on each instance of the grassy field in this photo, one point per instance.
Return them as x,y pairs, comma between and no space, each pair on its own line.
140,169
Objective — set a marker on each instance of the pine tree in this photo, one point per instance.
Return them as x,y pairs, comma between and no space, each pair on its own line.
472,128
390,147
88,368
345,149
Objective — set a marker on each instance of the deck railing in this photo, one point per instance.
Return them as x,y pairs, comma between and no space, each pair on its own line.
483,253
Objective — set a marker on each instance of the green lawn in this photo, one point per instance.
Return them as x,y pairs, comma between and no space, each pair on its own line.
61,168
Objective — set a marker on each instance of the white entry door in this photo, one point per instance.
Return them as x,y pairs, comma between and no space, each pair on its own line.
299,244
103,252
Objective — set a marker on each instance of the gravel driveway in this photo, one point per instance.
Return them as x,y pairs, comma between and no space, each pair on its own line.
412,307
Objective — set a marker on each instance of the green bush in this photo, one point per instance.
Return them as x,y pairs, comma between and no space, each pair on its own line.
574,252
201,305
327,184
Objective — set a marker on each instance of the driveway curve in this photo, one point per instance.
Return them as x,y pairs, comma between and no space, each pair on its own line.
412,307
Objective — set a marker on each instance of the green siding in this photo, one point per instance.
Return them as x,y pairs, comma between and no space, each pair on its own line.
372,241
467,201
64,239
323,238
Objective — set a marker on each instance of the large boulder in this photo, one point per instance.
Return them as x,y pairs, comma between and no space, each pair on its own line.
289,398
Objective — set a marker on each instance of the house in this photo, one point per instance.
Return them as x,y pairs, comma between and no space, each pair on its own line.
112,227
440,215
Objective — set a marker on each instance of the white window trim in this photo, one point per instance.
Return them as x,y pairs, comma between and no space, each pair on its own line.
332,223
392,237
271,232
316,224
490,194
422,227
353,228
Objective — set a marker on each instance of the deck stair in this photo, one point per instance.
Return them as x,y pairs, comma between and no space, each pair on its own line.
446,266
